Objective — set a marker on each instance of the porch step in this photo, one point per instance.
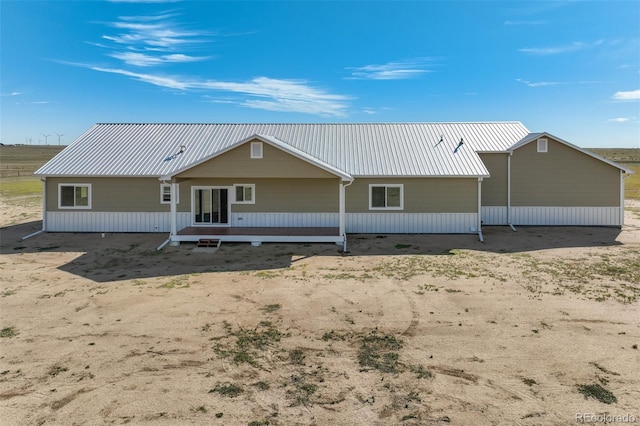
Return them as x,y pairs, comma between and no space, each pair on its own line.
208,242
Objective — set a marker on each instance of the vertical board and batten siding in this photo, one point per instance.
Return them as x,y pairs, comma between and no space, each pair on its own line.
494,215
566,216
411,223
87,221
285,220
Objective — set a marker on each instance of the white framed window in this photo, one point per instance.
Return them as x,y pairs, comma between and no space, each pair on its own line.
256,149
543,145
245,193
74,195
386,197
165,193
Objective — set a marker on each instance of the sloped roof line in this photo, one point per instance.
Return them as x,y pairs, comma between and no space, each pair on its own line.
535,136
393,149
275,142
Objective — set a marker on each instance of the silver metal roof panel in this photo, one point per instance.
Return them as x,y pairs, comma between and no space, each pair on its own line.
363,149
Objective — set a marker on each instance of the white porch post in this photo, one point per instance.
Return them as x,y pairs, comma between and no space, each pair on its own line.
480,209
174,210
341,208
622,176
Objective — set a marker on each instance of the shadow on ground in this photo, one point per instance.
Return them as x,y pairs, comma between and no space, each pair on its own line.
126,256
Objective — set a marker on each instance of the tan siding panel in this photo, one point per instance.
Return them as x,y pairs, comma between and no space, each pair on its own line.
237,163
278,195
562,177
421,195
117,194
494,189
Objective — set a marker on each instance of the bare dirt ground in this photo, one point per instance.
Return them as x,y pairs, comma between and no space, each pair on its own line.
526,328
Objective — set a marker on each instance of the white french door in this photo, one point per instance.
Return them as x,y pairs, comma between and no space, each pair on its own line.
210,205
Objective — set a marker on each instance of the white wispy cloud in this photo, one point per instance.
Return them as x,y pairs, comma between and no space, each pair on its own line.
264,93
538,83
620,120
15,93
396,70
556,50
631,95
152,40
145,60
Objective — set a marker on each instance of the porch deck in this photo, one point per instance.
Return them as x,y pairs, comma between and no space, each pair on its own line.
261,234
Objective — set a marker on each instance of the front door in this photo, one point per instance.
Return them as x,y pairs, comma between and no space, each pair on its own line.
210,206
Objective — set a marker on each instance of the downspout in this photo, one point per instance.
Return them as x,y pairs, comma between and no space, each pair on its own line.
480,210
44,210
171,218
623,176
342,207
509,191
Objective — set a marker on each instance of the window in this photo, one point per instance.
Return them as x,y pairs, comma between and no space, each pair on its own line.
542,145
74,196
256,149
386,197
245,193
165,193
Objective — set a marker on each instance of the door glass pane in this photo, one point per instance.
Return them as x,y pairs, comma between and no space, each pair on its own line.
202,206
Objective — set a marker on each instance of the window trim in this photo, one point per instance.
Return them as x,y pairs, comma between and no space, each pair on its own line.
386,185
75,207
253,193
542,145
260,149
168,185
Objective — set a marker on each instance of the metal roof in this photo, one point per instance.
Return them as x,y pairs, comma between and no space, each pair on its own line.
362,149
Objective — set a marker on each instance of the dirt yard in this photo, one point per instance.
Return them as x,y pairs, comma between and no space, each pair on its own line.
530,327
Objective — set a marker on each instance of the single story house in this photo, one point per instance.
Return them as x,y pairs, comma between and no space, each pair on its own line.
319,182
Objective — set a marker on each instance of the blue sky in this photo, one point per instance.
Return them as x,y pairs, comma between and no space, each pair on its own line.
570,68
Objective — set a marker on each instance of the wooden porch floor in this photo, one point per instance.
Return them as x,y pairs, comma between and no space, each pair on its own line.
259,231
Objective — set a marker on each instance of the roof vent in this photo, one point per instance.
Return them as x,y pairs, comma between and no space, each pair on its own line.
459,146
173,156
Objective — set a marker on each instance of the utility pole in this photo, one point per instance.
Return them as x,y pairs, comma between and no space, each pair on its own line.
45,138
59,136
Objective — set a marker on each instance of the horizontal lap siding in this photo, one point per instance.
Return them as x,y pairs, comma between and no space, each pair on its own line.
562,177
237,163
494,188
421,195
116,194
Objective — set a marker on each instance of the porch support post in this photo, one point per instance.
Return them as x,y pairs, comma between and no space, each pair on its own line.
480,209
341,209
174,213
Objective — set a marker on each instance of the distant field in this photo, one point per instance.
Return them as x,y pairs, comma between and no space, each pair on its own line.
23,160
622,155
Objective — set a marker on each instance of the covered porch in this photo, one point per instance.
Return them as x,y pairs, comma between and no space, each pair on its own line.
261,234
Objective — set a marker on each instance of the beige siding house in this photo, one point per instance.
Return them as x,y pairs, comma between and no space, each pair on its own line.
320,182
